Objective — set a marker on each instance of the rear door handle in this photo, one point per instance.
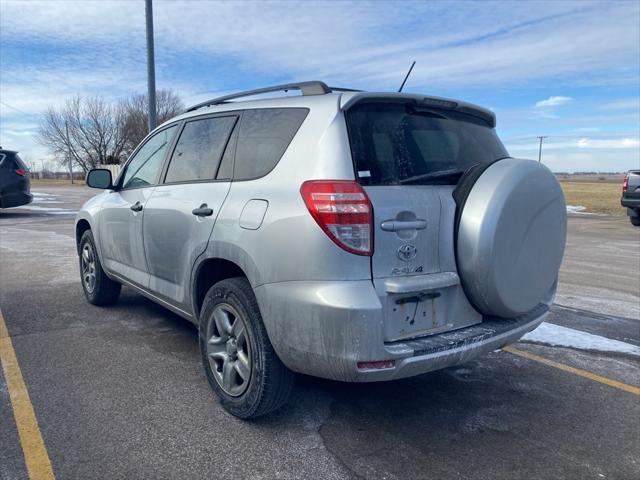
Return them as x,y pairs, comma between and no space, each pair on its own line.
397,225
202,211
136,207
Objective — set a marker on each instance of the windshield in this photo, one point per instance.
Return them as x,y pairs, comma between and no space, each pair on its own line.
396,143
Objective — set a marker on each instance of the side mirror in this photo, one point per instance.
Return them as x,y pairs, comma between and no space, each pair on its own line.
99,178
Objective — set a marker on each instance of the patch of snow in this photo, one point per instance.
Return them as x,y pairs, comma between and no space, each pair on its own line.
580,210
51,210
555,335
41,198
575,208
57,259
45,201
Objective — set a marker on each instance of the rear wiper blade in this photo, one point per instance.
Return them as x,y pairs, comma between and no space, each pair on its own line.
433,175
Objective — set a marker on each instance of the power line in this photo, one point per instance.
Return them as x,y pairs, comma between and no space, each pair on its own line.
14,108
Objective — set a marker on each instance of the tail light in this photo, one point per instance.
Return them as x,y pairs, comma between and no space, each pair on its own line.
625,183
21,171
343,210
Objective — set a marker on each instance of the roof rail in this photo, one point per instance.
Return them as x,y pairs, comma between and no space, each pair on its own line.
306,88
341,89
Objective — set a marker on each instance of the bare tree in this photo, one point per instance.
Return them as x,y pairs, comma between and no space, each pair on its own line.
88,131
29,162
168,105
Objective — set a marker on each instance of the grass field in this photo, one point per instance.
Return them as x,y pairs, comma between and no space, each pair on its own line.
597,197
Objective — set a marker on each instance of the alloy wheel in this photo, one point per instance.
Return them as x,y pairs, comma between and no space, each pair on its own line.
88,267
228,349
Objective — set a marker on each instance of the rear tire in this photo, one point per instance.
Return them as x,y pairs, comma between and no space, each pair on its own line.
240,363
98,288
635,221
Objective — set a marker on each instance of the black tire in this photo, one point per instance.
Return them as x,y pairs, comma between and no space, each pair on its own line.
103,290
269,381
635,221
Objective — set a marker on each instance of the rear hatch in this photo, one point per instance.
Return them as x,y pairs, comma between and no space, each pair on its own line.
14,174
408,157
632,183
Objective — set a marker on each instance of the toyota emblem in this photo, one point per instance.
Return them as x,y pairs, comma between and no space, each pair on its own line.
407,252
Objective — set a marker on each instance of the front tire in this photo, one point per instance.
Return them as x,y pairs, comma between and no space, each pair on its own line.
240,363
98,288
635,221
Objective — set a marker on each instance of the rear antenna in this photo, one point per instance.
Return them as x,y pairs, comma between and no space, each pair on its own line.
407,76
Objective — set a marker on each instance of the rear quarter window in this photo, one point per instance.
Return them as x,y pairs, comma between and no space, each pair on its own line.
394,142
263,137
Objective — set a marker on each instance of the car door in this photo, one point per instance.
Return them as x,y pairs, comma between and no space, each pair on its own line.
181,211
123,209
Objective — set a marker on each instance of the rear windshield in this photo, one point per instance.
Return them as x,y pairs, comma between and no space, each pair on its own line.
395,143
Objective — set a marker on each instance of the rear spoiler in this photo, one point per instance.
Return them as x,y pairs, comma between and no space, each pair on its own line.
350,99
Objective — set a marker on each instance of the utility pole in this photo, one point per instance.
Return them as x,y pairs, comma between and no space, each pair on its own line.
540,150
151,67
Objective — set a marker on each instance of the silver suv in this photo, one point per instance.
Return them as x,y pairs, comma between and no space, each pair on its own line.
348,235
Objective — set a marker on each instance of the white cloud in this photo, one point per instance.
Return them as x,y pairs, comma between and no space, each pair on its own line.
616,143
623,104
598,152
553,101
587,129
98,48
366,44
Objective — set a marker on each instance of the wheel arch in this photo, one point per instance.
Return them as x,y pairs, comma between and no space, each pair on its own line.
208,272
82,225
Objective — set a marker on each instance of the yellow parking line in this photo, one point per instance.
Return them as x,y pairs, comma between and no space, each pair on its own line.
36,457
575,371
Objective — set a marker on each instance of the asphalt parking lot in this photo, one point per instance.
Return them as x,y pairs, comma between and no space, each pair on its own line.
119,392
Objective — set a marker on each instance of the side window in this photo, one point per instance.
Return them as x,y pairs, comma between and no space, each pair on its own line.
144,168
199,148
263,137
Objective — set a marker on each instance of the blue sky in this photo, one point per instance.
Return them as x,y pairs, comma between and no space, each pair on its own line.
569,70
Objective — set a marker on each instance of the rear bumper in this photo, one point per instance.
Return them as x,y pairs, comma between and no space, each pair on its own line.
325,328
15,199
630,202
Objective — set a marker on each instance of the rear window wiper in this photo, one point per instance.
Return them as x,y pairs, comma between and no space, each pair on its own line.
433,175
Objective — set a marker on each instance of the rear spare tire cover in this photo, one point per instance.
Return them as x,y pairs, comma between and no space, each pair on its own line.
511,237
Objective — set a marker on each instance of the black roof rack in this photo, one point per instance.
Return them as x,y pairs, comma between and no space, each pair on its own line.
306,88
341,89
